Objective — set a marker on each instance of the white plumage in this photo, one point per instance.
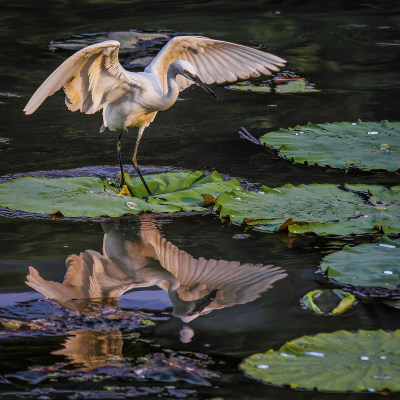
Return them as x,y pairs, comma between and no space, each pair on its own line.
93,79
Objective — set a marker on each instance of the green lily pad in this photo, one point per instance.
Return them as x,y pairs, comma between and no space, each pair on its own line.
328,301
374,264
94,197
338,362
291,86
129,40
322,209
363,145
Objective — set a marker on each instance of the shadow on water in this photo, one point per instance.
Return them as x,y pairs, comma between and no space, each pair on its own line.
148,306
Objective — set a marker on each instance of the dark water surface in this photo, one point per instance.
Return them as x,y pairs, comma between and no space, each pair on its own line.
349,50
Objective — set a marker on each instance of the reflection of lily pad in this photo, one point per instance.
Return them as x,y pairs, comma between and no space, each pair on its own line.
375,264
363,145
280,86
328,301
322,209
94,197
338,362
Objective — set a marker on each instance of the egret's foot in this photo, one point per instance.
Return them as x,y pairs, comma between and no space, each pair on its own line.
125,191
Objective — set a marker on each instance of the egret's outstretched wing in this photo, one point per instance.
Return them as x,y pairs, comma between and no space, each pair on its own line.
91,78
215,61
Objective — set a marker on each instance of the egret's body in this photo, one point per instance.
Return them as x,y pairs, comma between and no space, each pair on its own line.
93,80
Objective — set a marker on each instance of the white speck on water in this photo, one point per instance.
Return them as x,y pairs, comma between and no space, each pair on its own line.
287,355
371,390
364,358
314,353
389,246
382,377
238,198
382,357
240,236
132,205
354,123
372,133
388,272
263,366
261,192
7,94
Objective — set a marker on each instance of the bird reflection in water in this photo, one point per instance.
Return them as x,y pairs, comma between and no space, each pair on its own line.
92,349
139,257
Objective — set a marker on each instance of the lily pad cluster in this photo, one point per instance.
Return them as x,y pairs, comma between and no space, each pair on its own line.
297,209
338,362
362,145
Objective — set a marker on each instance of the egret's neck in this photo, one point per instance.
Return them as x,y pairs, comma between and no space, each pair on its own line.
171,96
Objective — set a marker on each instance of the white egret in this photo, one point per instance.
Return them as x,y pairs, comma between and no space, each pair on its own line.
93,80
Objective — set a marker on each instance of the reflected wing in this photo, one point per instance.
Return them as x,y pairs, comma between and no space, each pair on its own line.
215,61
52,290
91,77
236,283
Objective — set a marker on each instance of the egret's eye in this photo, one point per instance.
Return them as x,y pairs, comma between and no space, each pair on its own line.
186,72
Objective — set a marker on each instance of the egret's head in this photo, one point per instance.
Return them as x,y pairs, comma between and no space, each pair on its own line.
188,71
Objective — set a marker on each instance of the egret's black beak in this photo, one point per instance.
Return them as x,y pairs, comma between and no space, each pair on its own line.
200,83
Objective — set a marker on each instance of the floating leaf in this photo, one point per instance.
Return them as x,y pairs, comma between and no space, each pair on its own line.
129,40
287,82
338,362
328,301
290,85
314,208
10,326
374,264
363,145
94,197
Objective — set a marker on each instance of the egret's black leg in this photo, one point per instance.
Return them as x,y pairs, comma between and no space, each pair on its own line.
135,164
124,188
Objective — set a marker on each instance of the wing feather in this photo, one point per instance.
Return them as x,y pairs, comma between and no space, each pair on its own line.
215,61
91,78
